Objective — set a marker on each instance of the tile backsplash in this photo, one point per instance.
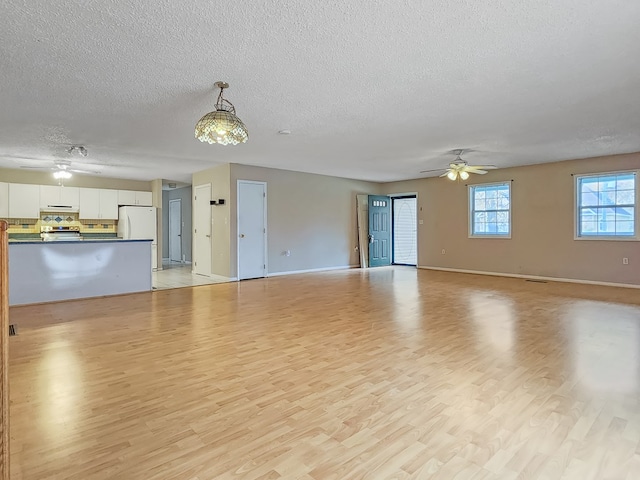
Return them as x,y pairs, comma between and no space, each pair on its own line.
32,225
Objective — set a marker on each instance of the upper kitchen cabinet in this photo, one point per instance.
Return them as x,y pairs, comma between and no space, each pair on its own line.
132,197
58,198
24,200
4,200
98,204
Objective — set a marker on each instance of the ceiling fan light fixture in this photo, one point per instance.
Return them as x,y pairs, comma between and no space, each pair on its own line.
61,175
222,125
79,150
464,175
452,175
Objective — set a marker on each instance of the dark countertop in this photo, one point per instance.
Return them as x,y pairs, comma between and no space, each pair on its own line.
74,242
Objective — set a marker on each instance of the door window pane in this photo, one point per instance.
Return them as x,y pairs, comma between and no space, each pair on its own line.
405,231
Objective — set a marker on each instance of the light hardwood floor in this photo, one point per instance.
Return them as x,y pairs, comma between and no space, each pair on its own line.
386,373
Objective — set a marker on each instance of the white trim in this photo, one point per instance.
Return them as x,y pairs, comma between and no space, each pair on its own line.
180,222
576,208
609,238
194,225
312,270
408,194
531,277
264,207
471,211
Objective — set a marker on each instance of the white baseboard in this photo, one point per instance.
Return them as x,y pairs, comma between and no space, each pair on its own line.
531,277
312,270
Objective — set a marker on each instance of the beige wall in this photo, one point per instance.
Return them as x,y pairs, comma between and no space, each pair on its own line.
11,175
219,179
542,241
156,200
313,216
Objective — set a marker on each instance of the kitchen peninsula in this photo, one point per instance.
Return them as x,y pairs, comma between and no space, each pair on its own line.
63,270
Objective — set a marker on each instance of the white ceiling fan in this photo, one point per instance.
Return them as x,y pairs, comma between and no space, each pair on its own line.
460,168
62,166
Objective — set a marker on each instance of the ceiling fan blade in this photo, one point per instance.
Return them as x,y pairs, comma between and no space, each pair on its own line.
90,172
37,168
484,167
433,170
445,173
473,170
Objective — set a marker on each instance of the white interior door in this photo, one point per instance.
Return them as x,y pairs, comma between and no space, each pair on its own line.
202,230
175,230
252,229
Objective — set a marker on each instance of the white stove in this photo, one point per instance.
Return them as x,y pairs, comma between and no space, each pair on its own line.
50,233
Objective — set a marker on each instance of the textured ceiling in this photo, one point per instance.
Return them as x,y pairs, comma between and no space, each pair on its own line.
370,90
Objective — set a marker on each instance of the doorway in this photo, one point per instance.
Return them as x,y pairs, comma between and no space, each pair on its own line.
405,240
252,229
175,230
202,230
379,230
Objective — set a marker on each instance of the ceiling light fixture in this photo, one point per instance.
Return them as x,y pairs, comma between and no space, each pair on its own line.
77,150
460,169
222,126
61,175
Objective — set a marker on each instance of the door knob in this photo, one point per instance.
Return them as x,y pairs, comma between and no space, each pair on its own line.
370,238
241,235
208,236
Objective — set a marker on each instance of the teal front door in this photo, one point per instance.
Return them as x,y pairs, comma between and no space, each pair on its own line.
379,231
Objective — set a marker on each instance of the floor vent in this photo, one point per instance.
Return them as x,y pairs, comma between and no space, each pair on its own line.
12,330
536,281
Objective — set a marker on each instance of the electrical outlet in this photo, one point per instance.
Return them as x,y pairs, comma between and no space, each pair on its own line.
421,222
443,251
625,261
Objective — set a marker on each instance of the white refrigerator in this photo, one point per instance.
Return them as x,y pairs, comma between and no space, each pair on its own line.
139,223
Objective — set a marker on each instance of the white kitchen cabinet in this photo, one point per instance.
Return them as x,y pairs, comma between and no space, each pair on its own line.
4,200
109,204
24,200
144,199
133,197
126,197
63,198
98,204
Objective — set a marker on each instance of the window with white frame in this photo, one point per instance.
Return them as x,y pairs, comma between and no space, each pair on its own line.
490,210
606,205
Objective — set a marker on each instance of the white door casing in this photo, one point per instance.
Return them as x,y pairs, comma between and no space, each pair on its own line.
175,230
252,229
202,230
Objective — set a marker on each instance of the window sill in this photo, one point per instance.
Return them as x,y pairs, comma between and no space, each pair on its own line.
504,237
608,239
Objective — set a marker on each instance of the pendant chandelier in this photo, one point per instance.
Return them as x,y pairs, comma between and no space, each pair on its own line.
222,126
